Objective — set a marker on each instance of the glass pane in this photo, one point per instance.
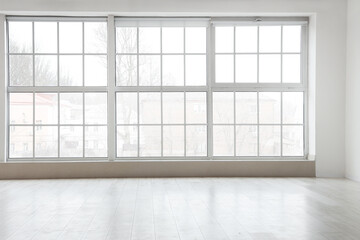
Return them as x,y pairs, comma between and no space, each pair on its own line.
96,141
21,70
173,137
126,40
20,37
149,70
224,68
291,68
173,70
126,110
95,37
71,141
71,108
95,70
223,140
195,70
196,140
270,39
127,141
195,107
45,37
173,107
293,107
45,70
223,107
150,141
95,108
246,68
149,40
126,70
246,141
224,39
269,68
246,107
195,40
21,142
150,107
291,38
246,39
21,108
70,70
269,141
172,40
70,37
46,108
269,104
46,141
293,141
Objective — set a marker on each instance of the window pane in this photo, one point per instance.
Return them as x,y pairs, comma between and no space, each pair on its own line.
269,68
149,70
149,40
173,107
246,68
20,37
70,71
172,40
269,140
21,142
46,108
223,107
21,108
246,141
71,141
293,141
126,70
173,137
293,107
246,39
291,38
224,68
195,70
224,39
95,108
21,70
270,39
45,37
71,108
95,38
173,70
70,37
96,141
46,141
126,110
150,107
127,141
196,107
246,107
150,141
223,140
196,140
45,70
95,70
269,104
291,68
195,40
126,40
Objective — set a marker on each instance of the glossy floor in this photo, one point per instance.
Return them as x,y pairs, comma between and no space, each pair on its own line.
180,208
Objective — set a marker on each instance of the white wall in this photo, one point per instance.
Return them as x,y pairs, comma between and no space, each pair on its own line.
327,59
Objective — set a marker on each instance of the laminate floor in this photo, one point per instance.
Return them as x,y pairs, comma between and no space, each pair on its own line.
180,208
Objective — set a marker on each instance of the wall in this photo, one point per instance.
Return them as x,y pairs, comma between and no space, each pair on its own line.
327,60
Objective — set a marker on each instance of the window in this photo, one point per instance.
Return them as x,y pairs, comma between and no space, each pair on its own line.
164,88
